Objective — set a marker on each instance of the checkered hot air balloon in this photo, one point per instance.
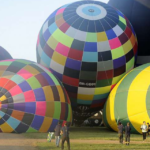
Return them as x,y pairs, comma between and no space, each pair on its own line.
89,46
31,98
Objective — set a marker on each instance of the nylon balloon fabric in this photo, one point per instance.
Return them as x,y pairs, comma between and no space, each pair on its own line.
4,54
31,98
89,46
138,11
129,100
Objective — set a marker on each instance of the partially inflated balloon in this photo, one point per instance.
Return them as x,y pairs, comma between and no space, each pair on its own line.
31,98
137,12
129,101
4,54
89,46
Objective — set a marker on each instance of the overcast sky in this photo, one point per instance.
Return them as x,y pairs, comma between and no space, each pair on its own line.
20,23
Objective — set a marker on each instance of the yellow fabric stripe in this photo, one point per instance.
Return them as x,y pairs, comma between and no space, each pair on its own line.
136,102
110,109
102,90
3,98
6,128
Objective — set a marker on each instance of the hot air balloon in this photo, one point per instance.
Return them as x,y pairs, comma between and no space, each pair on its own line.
138,13
4,54
129,101
31,98
89,46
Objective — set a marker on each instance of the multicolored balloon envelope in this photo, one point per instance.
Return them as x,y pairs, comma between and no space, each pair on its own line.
129,101
89,46
135,9
31,98
4,54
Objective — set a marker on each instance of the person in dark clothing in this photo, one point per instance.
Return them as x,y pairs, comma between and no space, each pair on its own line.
148,128
120,132
57,133
65,136
127,133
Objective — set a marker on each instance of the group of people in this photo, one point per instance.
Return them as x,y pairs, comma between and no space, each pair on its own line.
145,129
63,132
127,133
60,132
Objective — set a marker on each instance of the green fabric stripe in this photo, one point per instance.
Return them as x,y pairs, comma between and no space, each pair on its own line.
24,61
17,79
102,83
117,52
34,83
31,130
130,64
148,101
57,110
91,37
120,104
53,78
142,67
122,25
63,38
104,116
69,113
5,63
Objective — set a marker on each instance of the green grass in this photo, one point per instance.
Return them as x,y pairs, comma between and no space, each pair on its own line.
91,133
51,146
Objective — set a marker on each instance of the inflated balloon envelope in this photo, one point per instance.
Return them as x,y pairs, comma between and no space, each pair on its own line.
31,98
4,54
129,101
138,12
89,46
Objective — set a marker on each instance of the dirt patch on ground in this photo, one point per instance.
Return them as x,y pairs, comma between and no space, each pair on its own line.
9,141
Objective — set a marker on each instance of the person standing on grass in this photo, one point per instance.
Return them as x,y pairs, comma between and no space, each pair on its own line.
144,129
127,133
148,128
65,136
120,132
57,133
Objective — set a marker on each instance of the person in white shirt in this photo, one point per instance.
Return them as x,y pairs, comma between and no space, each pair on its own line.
144,129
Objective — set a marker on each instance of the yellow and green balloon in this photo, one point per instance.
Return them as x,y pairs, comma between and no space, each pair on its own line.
129,101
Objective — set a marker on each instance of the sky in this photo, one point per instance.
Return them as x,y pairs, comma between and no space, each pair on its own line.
20,23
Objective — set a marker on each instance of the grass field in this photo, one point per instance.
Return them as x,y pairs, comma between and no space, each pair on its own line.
51,146
82,138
